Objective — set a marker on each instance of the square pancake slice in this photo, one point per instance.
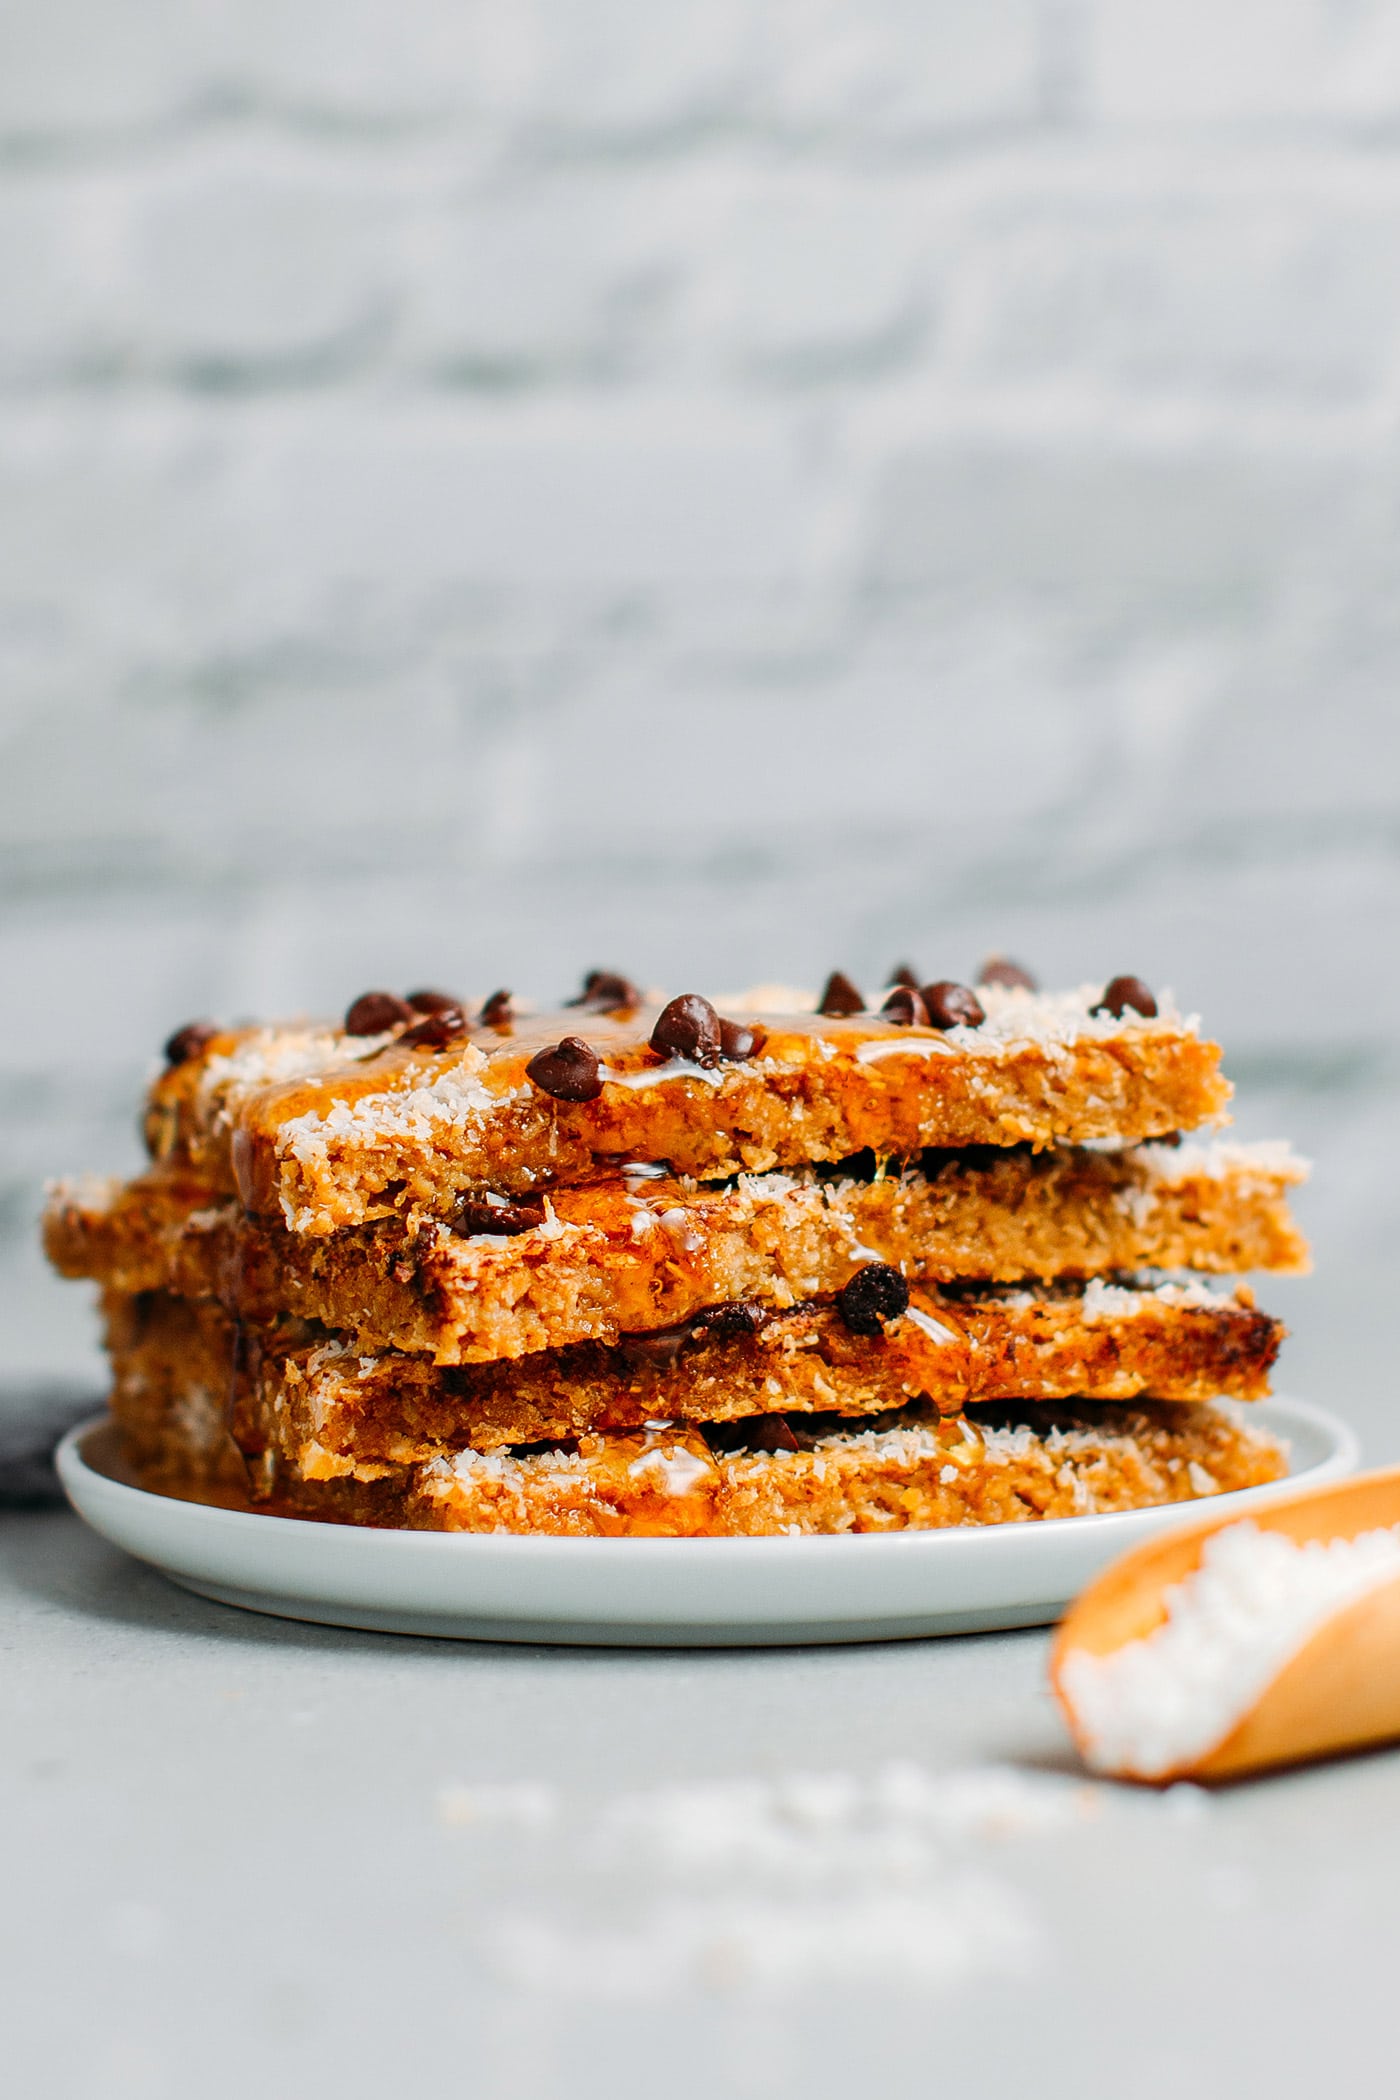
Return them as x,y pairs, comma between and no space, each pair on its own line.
913,1470
330,1129
315,1405
641,1251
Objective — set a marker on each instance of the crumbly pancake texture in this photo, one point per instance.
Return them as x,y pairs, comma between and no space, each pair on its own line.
913,1472
333,1130
319,1407
633,1253
173,1376
909,1470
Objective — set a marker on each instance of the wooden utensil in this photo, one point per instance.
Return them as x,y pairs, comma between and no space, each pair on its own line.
1339,1691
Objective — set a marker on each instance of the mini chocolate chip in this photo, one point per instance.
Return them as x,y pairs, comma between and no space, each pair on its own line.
569,1071
604,991
498,1011
874,1294
999,969
840,997
953,1005
729,1322
749,1433
688,1028
472,1216
1122,994
434,1002
189,1041
738,1040
905,1007
436,1031
375,1013
656,1351
1170,1138
766,1433
902,974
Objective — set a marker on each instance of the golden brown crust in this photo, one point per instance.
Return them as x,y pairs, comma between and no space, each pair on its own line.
172,1391
356,1132
621,1257
912,1472
335,1411
325,1409
907,1471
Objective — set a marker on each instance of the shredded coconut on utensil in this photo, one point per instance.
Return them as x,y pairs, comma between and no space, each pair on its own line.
1162,1702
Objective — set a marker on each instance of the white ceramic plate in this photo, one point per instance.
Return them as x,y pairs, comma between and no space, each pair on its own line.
647,1592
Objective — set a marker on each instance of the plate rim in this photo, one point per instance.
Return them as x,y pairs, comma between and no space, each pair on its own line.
74,1469
649,1592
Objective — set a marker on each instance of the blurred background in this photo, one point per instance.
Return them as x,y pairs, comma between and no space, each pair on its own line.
716,490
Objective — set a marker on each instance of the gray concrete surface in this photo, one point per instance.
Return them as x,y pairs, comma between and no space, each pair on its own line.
235,1860
719,491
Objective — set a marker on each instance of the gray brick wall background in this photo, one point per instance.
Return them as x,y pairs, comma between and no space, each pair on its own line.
719,489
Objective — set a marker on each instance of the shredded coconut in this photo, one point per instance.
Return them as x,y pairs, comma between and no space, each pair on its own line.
1218,1159
1053,1020
97,1193
1114,1301
1255,1600
933,1329
770,1886
272,1056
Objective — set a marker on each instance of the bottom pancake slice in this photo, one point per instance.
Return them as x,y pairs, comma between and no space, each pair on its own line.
909,1471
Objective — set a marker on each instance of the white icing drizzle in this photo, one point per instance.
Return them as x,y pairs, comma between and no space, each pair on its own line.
658,1075
916,1046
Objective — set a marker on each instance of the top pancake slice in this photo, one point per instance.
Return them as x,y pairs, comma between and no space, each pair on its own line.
333,1130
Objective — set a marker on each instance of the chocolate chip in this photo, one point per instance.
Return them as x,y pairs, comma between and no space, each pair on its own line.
730,1322
840,997
189,1041
375,1013
688,1028
1124,994
738,1040
953,1005
874,1294
656,1351
1170,1138
604,992
905,1006
507,1219
498,1011
766,1433
902,974
569,1071
436,1031
750,1433
999,969
434,1002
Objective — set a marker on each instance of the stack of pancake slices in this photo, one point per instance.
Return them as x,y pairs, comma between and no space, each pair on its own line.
763,1265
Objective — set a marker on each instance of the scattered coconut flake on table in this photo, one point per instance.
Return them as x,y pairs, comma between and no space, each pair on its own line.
1162,1702
971,1926
779,1884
